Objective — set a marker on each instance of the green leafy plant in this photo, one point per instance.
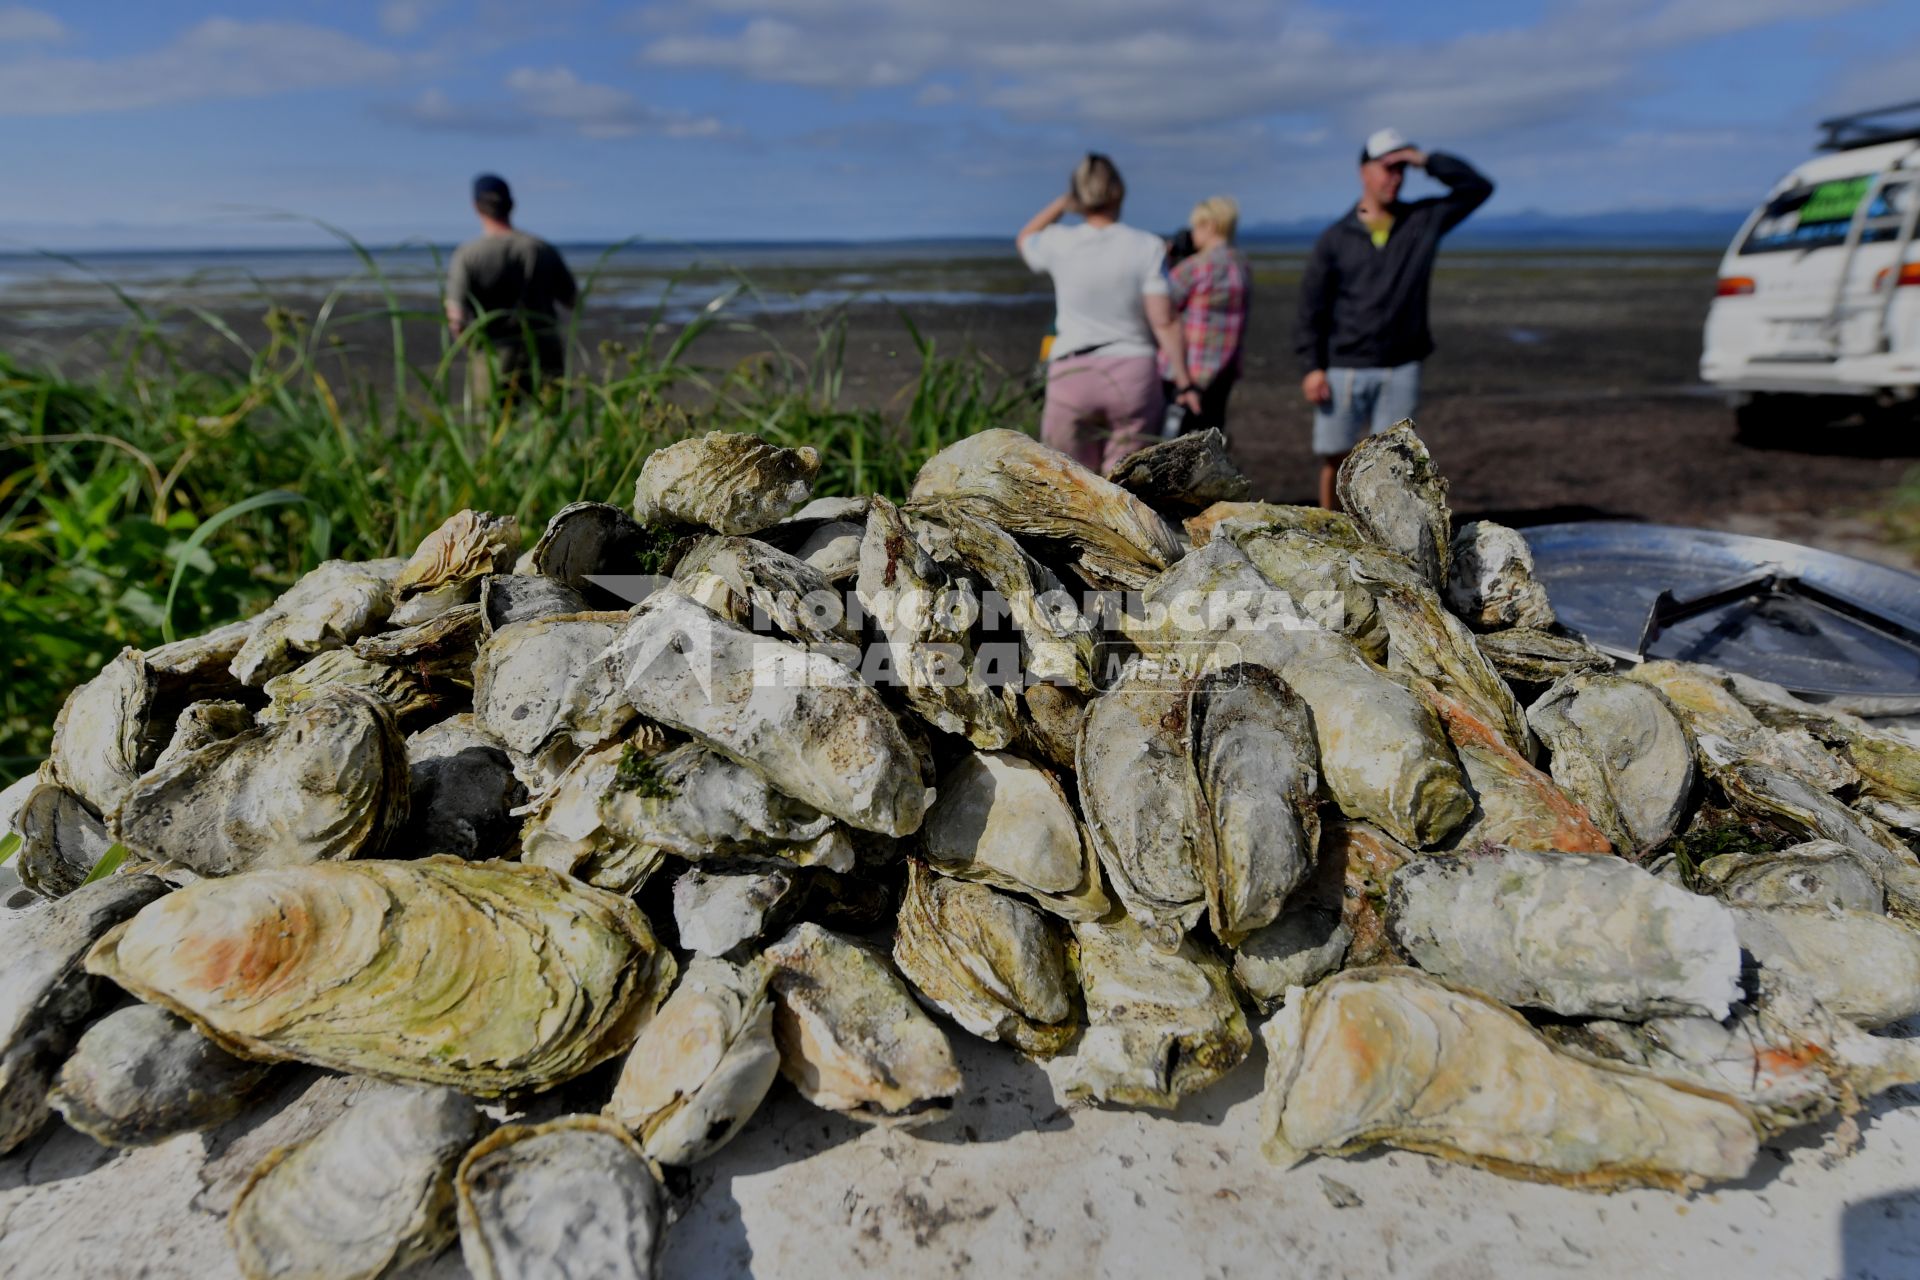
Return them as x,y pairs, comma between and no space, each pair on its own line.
195,475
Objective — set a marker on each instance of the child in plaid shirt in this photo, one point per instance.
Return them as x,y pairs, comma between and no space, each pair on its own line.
1211,290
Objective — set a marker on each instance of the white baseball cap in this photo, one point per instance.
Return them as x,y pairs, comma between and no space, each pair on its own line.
1381,141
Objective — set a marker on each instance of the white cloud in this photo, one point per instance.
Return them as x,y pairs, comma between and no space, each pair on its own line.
21,25
404,17
554,98
1137,66
219,58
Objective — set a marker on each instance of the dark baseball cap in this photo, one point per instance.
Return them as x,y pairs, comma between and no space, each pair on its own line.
491,184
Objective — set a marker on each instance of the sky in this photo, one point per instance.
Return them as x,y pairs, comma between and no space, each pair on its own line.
175,124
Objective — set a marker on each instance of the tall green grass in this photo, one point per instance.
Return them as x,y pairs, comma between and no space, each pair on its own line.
196,474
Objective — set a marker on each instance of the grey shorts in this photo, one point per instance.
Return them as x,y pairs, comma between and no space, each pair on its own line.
1365,402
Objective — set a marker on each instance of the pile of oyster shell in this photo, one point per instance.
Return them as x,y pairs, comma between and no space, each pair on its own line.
474,824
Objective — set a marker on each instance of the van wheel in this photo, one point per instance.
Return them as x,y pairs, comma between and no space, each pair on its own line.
1763,420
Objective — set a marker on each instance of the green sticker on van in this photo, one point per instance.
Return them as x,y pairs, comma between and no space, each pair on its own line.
1834,201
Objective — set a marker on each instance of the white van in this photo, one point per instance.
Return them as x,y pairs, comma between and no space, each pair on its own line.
1819,294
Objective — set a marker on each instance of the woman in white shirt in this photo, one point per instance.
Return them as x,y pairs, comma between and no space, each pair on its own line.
1104,399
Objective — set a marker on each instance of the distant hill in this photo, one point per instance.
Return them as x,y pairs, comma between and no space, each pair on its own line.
1708,227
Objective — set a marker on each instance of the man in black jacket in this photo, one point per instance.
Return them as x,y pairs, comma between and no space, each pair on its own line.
1363,299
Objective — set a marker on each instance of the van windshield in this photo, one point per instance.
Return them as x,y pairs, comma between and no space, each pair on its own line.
1815,216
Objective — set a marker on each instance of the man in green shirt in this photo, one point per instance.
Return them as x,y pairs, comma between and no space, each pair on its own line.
514,284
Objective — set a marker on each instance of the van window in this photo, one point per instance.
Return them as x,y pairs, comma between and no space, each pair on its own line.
1816,216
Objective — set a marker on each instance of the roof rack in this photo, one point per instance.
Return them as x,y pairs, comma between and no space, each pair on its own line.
1865,128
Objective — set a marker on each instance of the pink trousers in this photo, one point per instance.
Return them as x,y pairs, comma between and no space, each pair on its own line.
1102,408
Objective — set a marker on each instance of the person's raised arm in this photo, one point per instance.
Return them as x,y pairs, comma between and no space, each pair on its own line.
1313,329
1055,210
1467,188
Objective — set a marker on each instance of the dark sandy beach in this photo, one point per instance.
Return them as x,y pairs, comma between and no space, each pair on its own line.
1565,386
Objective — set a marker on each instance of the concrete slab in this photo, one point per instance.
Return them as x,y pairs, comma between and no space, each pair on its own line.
1013,1184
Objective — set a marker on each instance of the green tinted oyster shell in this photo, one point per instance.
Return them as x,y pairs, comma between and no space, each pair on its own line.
488,977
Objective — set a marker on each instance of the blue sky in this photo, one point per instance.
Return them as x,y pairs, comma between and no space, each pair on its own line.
172,123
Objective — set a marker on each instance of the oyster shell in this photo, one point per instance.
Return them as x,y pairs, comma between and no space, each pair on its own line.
738,578
851,1038
993,963
1028,489
697,804
1490,580
1393,1056
577,1193
1357,862
1331,526
446,568
1318,574
1252,745
1383,754
203,723
401,689
1057,641
1818,873
1190,471
1146,814
200,663
1724,730
549,688
488,977
1389,486
1525,655
46,996
565,829
140,1076
1047,723
1304,945
327,783
826,533
801,720
366,1196
1426,643
1160,1025
1803,808
462,792
1618,749
586,539
107,733
507,598
1575,934
61,841
1865,968
700,1069
927,614
1783,1054
714,913
442,648
1513,803
1003,821
726,481
328,608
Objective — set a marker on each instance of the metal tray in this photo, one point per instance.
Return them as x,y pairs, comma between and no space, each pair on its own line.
1824,625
